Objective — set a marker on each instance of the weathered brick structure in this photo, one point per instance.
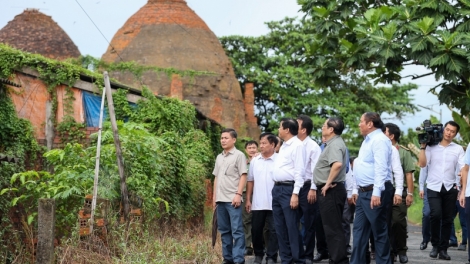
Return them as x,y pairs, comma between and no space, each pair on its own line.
34,32
168,34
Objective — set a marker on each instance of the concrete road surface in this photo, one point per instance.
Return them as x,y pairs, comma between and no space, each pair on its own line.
415,255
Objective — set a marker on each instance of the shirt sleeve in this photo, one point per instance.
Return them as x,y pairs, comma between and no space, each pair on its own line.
242,168
250,171
215,172
467,155
298,157
397,172
423,175
461,161
314,159
382,154
349,184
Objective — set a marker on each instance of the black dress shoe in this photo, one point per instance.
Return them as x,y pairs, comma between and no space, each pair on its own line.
403,258
453,244
319,257
227,262
433,253
423,245
349,250
443,255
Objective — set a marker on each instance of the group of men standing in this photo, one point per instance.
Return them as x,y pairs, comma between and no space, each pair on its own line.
307,181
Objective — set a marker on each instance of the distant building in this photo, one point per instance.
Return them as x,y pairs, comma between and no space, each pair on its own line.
35,32
168,34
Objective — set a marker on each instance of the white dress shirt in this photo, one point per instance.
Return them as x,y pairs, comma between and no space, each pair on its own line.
290,163
350,182
442,164
312,152
397,171
261,174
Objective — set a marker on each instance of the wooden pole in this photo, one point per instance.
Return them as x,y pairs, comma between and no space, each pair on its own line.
117,143
97,164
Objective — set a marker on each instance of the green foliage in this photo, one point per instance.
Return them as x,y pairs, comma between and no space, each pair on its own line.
71,131
280,66
16,140
165,114
381,37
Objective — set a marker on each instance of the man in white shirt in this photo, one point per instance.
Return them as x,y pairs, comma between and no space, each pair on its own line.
307,194
259,199
442,160
464,198
288,180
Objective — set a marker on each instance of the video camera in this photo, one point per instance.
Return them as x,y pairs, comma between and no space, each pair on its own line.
432,134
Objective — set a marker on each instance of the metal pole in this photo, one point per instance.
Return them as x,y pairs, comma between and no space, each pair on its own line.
97,164
117,143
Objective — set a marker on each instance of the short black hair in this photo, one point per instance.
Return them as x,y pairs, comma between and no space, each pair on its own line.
393,130
454,124
374,118
272,139
337,124
232,132
307,123
291,124
251,142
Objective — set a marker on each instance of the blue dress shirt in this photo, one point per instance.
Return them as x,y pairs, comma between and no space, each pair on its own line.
373,164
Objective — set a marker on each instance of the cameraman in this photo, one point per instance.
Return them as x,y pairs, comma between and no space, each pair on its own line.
442,160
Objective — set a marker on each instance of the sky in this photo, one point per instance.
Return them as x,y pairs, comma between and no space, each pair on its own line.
224,18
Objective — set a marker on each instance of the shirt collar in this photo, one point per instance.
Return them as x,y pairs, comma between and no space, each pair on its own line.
373,134
228,152
331,140
288,142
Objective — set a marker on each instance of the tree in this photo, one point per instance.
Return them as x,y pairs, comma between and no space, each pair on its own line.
381,37
279,67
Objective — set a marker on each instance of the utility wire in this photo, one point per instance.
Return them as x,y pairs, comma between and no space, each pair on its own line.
99,30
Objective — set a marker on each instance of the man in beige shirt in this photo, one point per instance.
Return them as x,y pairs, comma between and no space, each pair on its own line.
230,178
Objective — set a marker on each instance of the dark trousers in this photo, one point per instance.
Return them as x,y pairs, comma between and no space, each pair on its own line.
347,213
369,220
307,211
322,247
463,224
442,206
246,223
426,222
331,208
286,223
399,232
260,220
467,211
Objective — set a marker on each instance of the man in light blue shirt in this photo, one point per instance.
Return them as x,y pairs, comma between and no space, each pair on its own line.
372,171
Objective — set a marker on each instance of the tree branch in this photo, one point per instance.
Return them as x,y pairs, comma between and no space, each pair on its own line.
414,76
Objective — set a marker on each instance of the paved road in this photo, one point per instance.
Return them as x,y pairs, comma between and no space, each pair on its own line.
415,255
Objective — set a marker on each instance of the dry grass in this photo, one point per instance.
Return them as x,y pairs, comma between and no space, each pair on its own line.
164,242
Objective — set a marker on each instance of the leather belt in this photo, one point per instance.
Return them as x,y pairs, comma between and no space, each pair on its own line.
287,183
366,188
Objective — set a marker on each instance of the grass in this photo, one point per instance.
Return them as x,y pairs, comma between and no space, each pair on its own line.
166,242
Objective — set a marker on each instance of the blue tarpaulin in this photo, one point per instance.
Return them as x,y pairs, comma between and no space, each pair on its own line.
92,104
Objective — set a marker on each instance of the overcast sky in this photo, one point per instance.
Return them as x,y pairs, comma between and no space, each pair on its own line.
224,17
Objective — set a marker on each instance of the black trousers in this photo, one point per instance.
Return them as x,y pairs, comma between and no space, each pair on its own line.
260,220
322,247
331,208
399,232
307,210
442,205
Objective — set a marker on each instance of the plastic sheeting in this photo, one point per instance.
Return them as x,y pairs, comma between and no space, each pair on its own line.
92,104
